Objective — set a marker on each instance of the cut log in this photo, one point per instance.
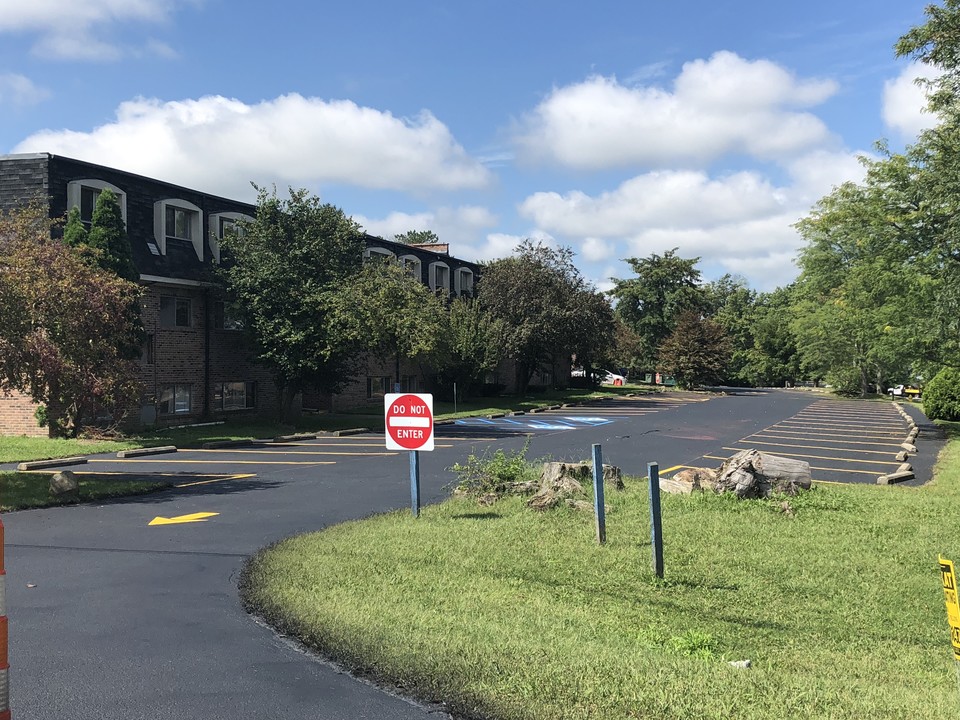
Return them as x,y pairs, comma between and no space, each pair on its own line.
689,481
756,474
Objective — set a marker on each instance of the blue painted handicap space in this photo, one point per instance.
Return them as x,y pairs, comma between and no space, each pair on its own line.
569,422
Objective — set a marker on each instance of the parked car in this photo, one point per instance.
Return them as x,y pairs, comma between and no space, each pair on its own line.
611,378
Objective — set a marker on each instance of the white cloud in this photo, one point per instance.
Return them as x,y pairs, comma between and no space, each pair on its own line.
904,102
460,227
718,106
220,145
742,221
20,91
69,29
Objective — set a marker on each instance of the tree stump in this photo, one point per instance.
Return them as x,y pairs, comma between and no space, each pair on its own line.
689,481
756,474
563,482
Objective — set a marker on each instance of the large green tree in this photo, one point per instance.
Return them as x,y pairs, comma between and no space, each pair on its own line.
696,352
67,333
664,286
548,310
417,237
383,309
284,271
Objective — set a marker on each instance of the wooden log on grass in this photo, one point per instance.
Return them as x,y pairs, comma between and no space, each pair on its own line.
756,474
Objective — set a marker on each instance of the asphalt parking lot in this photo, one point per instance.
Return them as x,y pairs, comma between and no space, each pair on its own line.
845,441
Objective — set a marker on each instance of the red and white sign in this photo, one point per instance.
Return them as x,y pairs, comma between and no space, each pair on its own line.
409,421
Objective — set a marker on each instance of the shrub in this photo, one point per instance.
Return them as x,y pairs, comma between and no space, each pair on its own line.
494,474
941,396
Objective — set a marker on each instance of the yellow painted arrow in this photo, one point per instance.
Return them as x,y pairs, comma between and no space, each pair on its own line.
195,517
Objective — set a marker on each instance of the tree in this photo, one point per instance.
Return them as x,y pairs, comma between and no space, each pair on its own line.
664,286
74,232
108,236
66,330
548,310
937,43
385,310
417,237
471,345
283,270
696,352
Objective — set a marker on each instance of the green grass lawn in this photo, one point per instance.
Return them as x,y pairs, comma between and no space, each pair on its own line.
20,449
503,613
20,490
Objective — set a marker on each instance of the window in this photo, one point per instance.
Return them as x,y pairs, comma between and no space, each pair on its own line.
235,396
408,383
226,317
174,399
175,311
379,386
177,220
378,253
222,224
83,194
464,282
439,276
147,355
412,265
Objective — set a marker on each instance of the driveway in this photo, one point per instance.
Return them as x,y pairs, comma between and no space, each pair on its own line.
114,618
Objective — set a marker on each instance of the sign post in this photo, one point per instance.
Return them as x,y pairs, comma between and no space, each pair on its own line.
656,522
408,420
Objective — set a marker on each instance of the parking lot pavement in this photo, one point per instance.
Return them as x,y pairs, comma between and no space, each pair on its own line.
572,417
843,440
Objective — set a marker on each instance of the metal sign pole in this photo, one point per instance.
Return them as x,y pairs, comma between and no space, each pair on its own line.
656,524
415,483
598,503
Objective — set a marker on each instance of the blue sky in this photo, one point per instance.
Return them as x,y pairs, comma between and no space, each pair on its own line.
618,129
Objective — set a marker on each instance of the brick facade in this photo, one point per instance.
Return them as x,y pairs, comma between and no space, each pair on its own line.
17,416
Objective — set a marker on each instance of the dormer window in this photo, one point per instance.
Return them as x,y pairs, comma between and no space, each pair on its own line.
411,263
222,224
439,276
83,194
178,221
378,254
463,281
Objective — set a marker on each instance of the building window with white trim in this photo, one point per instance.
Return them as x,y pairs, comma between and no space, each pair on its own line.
174,399
439,276
378,254
222,224
412,264
464,282
178,221
83,194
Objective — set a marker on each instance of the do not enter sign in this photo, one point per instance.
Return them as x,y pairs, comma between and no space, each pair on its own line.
409,421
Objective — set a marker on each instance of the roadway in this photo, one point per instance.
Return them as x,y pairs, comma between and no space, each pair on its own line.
111,617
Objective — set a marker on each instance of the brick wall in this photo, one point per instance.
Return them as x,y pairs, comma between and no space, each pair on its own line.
16,416
354,395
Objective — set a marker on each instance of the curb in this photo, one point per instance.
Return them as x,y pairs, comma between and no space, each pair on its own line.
895,477
351,431
295,436
218,444
138,452
41,464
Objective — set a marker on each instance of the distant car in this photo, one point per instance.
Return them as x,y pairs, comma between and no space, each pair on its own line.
578,372
611,378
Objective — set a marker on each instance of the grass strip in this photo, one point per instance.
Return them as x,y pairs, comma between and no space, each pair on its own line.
23,490
503,613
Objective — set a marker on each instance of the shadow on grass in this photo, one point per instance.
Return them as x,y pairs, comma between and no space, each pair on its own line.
478,516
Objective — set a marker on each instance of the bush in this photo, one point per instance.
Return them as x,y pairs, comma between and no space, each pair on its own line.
844,381
941,396
494,474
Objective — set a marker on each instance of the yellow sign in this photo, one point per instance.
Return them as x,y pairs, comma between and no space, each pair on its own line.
195,517
949,578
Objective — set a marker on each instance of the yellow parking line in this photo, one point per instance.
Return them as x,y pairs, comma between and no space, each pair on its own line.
829,469
748,441
830,457
675,467
221,462
239,476
842,442
877,427
832,433
291,452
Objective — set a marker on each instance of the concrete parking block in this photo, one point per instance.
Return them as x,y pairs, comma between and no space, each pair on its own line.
141,452
41,464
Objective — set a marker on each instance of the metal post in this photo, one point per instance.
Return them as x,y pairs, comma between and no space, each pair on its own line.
598,503
415,482
656,524
4,665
